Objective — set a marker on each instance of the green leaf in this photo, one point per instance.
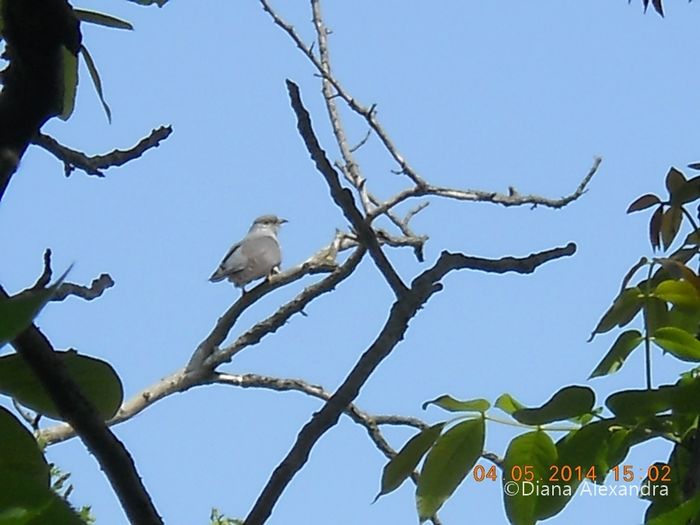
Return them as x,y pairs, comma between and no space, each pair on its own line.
508,404
683,255
449,461
657,313
633,270
677,342
19,453
619,444
594,445
24,502
683,318
679,293
640,404
680,515
69,81
643,202
97,380
670,225
96,81
678,270
686,193
93,17
24,473
581,453
451,404
625,307
59,511
18,312
655,227
527,462
589,451
404,463
693,238
669,493
570,401
674,180
618,353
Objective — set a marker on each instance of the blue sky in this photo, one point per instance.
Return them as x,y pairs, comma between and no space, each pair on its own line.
476,95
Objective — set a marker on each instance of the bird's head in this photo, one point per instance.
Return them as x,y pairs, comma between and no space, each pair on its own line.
268,222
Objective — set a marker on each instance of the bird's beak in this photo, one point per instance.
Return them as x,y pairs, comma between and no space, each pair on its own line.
282,221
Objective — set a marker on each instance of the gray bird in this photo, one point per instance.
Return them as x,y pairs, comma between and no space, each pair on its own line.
256,255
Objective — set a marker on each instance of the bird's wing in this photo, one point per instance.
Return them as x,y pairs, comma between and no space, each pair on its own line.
232,262
262,251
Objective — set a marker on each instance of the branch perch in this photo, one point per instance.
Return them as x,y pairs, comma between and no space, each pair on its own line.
324,261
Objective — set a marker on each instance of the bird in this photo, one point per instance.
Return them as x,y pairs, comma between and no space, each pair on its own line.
255,256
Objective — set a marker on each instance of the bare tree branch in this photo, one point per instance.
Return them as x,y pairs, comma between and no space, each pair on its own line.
369,422
360,417
95,290
93,165
112,455
342,196
369,114
402,311
421,186
208,356
351,168
513,198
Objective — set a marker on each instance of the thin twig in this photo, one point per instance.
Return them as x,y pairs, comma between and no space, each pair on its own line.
66,289
362,142
353,169
96,289
46,274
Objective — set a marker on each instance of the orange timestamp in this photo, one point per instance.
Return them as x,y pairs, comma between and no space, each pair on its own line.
657,473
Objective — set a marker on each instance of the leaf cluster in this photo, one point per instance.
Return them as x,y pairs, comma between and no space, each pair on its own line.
569,440
27,495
